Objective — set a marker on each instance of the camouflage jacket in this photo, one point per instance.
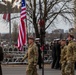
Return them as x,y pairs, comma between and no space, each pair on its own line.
63,54
71,51
32,54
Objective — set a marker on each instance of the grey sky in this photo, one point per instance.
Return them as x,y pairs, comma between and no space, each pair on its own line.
4,26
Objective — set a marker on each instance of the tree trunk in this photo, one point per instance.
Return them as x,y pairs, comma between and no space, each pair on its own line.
36,27
75,13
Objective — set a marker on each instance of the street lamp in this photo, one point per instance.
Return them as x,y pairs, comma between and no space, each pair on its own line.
9,9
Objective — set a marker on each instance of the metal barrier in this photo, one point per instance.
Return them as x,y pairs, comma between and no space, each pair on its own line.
14,56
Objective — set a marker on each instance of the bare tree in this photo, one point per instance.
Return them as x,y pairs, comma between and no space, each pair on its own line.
75,13
10,6
50,9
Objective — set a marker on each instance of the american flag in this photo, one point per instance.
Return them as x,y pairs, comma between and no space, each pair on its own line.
22,27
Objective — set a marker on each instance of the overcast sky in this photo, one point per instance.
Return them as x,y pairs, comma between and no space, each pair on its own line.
4,26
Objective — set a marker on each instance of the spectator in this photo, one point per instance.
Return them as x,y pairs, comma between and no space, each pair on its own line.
1,59
54,55
39,52
58,52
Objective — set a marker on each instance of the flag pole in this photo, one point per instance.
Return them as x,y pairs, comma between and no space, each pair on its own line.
42,43
26,27
26,30
10,29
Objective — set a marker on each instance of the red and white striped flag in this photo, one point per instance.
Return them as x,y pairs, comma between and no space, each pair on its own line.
22,27
6,17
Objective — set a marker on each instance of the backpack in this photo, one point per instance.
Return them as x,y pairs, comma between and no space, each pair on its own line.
1,54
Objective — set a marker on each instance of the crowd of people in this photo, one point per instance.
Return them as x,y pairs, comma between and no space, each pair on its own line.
63,55
56,50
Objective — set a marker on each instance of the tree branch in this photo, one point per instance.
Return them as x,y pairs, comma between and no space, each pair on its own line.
55,16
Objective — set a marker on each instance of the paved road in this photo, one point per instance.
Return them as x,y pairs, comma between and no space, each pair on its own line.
20,70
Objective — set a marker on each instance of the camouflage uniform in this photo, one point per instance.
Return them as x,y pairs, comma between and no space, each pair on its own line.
63,59
32,56
71,58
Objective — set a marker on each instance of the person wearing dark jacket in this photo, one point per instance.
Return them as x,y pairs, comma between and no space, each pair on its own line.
58,52
1,59
53,55
39,52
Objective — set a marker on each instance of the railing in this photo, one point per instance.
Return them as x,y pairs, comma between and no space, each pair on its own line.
14,56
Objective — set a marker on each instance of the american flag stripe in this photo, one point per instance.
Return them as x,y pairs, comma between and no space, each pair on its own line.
23,17
22,27
22,34
23,13
23,8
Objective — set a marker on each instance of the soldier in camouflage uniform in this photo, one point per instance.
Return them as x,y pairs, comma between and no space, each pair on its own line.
32,56
71,56
63,56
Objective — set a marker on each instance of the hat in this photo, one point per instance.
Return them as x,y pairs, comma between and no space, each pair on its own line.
71,35
31,37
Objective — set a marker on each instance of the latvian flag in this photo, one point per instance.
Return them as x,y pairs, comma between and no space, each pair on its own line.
6,17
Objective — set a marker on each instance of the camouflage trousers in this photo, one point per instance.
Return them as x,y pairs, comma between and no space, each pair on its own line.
31,70
63,69
69,69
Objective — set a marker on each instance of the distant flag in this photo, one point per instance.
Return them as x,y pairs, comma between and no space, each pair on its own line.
22,27
6,17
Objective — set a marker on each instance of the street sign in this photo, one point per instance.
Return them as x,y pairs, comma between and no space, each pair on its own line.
10,6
